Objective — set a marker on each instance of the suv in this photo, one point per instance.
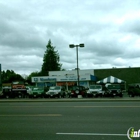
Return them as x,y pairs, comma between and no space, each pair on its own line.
134,90
6,92
114,90
55,91
77,90
95,91
36,92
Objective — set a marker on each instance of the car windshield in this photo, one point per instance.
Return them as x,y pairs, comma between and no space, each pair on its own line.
76,88
18,82
95,87
114,86
55,88
35,88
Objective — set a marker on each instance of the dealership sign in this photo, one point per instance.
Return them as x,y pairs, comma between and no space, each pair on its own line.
73,78
66,78
43,79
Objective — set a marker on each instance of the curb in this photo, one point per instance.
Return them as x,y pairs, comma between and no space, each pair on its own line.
72,100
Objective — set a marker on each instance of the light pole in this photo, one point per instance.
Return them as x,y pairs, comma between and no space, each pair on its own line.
72,46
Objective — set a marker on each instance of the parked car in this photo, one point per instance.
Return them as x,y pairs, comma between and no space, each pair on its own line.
55,91
29,90
74,91
6,93
18,89
134,90
114,90
95,91
36,92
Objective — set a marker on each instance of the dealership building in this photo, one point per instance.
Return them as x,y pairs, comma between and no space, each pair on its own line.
66,78
88,77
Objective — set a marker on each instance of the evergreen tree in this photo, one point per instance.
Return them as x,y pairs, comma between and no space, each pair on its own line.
9,76
33,74
50,60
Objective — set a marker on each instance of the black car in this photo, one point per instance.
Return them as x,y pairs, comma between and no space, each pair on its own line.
6,93
74,91
134,90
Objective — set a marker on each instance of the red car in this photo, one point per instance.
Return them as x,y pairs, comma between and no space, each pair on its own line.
77,90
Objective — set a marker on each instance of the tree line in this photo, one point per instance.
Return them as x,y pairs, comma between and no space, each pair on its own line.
51,62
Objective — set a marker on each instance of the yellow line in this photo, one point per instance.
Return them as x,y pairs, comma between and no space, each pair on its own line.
31,115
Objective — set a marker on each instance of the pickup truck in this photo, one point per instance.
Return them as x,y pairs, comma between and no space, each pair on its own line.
95,91
18,89
114,90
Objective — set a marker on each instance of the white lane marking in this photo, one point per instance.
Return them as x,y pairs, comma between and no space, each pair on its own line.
30,115
92,134
106,106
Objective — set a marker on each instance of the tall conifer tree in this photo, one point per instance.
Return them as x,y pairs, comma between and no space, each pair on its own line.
51,60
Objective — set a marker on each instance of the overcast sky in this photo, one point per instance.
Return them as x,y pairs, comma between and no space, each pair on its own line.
110,30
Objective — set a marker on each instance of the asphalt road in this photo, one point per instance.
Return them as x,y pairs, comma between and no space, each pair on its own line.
68,120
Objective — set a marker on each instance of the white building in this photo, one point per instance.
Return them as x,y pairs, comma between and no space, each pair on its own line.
66,78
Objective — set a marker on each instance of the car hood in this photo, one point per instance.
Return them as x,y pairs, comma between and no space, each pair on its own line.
54,91
94,90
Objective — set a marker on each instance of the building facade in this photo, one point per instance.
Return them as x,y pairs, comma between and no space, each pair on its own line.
88,77
66,78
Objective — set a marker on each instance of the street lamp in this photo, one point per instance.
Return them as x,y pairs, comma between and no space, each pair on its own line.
72,46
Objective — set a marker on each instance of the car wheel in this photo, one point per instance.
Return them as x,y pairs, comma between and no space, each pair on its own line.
19,96
121,95
132,95
7,96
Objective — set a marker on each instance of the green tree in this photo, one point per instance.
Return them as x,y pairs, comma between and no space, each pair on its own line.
33,74
9,76
51,60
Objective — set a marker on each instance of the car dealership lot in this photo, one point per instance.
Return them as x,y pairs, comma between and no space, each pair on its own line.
59,119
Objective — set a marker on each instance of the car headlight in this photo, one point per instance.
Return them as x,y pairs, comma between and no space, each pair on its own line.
119,91
88,91
77,91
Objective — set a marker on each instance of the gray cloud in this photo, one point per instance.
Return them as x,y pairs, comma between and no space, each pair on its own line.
109,29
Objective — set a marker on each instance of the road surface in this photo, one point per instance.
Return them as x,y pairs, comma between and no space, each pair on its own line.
68,120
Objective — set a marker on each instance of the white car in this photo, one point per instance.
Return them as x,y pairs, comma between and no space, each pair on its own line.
95,91
29,90
55,91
